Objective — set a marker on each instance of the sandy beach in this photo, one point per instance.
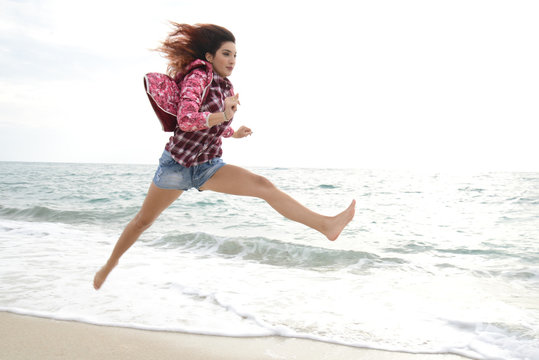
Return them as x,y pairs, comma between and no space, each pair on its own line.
26,337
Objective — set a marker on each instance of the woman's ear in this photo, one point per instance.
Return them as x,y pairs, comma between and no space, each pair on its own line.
209,57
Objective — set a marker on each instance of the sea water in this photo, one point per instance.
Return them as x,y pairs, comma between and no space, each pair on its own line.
432,262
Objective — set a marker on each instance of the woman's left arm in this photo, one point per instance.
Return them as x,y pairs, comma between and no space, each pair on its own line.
242,132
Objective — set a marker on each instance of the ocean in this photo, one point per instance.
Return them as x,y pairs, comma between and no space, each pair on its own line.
432,262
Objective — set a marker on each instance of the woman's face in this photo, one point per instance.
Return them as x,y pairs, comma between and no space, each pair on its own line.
224,59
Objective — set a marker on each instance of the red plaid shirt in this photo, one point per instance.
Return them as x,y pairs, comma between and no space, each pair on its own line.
193,141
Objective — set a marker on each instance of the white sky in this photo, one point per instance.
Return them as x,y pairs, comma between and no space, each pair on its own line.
444,85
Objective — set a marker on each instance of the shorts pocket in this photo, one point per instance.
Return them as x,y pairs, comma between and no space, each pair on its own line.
166,160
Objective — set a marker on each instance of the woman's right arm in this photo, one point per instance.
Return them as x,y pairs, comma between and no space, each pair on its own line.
231,106
192,89
189,116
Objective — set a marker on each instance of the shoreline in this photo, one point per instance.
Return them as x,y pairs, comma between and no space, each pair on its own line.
29,337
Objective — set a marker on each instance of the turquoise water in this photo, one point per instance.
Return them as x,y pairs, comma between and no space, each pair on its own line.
432,263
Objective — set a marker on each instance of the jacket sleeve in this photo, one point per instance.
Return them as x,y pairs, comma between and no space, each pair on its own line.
191,91
228,132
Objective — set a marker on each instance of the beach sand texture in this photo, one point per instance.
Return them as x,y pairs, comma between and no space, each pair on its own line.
26,337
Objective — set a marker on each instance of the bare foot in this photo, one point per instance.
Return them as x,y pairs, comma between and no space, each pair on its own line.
102,274
339,222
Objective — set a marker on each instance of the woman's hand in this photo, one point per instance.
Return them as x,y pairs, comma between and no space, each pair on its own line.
243,131
231,106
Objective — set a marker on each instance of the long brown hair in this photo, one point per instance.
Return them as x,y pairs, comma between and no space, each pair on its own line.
187,43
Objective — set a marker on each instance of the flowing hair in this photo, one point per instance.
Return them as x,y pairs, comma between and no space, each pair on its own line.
187,43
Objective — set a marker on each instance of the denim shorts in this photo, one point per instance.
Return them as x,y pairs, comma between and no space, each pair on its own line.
171,175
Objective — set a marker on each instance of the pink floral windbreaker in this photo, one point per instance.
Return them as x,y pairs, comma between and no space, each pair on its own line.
164,93
183,105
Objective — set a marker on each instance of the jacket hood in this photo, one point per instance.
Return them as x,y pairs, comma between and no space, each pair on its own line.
198,63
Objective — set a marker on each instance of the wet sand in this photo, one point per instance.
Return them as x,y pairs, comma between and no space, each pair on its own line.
27,337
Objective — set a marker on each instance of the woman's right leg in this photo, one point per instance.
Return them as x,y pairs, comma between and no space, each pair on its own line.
235,180
156,201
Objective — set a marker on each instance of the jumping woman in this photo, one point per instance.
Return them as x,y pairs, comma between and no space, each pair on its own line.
201,58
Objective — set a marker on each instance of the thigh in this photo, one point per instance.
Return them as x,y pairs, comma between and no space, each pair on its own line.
156,201
235,180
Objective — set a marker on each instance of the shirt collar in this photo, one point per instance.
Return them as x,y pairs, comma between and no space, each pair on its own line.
221,81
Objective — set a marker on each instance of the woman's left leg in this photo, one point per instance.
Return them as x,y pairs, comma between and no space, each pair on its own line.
235,180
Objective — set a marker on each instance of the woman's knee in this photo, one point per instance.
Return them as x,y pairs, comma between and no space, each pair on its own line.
142,221
265,187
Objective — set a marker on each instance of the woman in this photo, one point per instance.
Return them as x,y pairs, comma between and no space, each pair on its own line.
201,57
